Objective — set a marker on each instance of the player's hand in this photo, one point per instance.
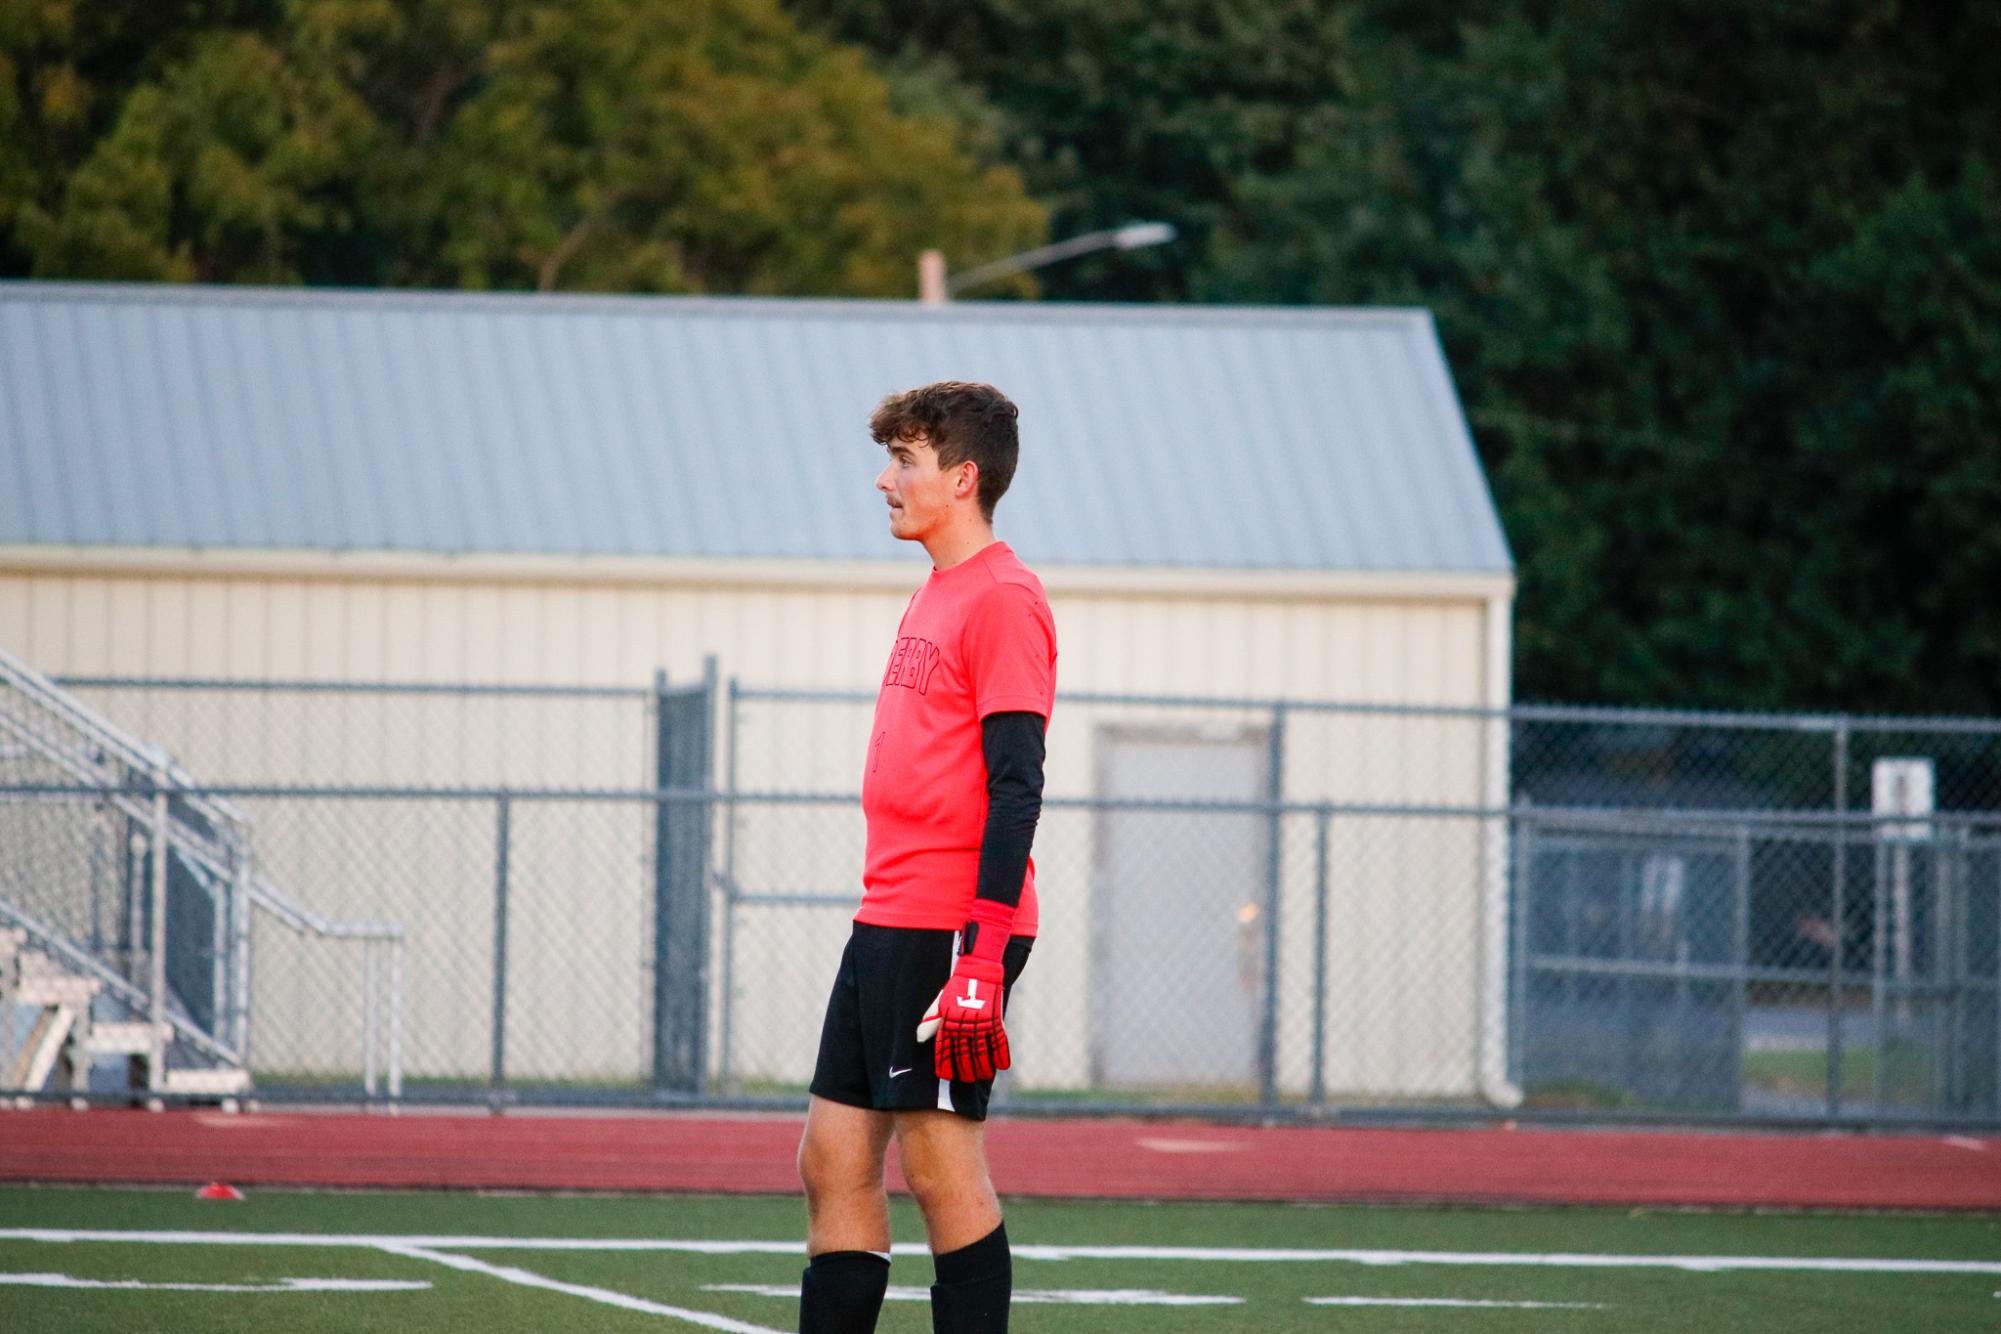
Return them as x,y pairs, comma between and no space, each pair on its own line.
966,1018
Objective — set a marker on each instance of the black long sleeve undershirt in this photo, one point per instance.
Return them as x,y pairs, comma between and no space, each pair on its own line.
1012,744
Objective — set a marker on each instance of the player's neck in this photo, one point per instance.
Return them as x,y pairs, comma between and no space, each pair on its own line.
958,542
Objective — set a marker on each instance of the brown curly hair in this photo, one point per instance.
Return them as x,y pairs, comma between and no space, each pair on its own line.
960,421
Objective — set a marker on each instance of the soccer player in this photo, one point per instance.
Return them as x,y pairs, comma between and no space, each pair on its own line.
952,791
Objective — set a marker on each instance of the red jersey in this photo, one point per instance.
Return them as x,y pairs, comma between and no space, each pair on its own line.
976,639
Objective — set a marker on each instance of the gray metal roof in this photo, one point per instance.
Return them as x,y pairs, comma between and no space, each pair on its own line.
431,421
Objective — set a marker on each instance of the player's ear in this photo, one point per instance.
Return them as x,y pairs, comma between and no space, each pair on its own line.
967,483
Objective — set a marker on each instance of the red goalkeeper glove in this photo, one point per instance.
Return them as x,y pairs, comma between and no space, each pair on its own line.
966,1017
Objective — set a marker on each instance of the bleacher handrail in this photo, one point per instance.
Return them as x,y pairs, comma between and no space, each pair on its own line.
222,854
131,751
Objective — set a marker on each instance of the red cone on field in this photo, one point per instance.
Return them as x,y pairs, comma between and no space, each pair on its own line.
218,1190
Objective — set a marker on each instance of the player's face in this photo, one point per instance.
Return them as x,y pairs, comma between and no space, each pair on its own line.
920,496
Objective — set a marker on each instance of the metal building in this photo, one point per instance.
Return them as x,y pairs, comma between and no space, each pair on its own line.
1241,503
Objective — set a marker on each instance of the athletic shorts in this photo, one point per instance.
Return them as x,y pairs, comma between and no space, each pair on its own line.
869,1056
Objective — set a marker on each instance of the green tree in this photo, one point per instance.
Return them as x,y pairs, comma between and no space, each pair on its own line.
65,68
700,145
1656,240
643,145
1715,279
1123,110
232,165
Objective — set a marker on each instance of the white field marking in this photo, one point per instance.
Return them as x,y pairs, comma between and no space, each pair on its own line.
1022,1296
1963,1142
1452,1301
279,1285
1703,1264
372,1241
1238,1255
1190,1145
509,1274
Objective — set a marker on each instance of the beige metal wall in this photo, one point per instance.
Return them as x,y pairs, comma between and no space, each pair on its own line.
1411,1021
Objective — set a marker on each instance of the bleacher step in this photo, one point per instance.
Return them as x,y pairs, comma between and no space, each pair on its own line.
124,1039
40,988
215,1081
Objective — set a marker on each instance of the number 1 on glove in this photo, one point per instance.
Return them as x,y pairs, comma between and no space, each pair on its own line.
966,1017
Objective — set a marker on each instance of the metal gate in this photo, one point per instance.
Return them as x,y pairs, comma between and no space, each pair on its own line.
1630,980
683,718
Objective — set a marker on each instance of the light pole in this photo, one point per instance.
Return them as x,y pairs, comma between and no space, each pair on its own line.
934,288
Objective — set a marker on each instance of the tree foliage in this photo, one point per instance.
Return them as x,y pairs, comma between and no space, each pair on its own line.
631,145
1119,111
1719,281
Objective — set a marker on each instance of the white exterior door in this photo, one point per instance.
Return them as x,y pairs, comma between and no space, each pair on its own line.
1177,979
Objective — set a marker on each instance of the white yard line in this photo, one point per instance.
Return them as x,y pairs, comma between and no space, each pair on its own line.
1239,1255
276,1285
373,1241
1021,1296
509,1274
1704,1264
1452,1301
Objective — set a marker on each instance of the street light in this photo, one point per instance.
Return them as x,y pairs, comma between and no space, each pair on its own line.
934,288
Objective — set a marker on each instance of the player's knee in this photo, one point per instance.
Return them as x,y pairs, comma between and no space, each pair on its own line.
928,1186
937,1179
830,1169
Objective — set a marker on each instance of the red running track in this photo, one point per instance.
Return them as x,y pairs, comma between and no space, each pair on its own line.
1090,1158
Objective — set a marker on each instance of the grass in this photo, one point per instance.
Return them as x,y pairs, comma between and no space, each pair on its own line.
1271,1296
1907,1071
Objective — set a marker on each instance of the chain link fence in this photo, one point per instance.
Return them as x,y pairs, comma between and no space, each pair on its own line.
1275,907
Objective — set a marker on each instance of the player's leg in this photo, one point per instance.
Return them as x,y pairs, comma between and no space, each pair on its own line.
840,1162
847,1229
944,1160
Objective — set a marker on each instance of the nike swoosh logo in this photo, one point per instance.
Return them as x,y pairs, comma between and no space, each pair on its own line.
894,1072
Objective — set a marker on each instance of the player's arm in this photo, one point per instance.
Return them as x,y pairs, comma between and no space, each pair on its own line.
966,1017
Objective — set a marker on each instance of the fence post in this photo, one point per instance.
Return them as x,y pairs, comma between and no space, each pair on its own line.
1837,923
240,951
725,1060
156,970
498,1078
1740,994
368,1017
1322,819
1274,860
663,912
1950,906
396,1016
1880,962
1522,838
706,815
684,806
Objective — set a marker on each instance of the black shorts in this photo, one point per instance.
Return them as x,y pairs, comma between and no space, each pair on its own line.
869,1055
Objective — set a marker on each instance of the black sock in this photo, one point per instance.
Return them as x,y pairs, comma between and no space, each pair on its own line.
841,1292
973,1287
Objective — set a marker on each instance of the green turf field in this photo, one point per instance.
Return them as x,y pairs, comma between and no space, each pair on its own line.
433,1263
